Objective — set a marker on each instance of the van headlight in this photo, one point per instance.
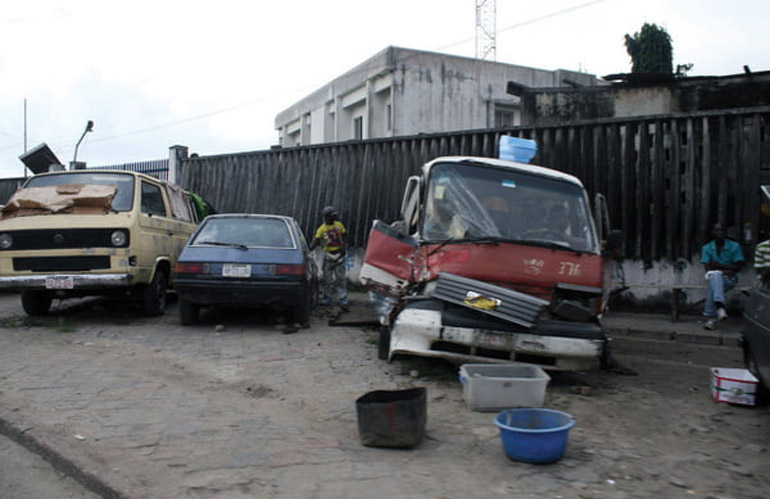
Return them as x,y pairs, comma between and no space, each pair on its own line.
6,241
118,238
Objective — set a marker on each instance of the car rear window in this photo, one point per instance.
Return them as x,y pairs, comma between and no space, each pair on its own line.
252,232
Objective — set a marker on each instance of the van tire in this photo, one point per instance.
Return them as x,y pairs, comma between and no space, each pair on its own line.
154,295
36,302
188,312
383,344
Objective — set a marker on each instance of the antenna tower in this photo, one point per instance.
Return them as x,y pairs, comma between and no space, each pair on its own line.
486,30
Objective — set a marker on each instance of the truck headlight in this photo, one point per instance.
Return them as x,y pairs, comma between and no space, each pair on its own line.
118,238
6,241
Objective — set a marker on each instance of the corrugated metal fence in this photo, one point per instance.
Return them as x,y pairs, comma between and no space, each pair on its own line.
667,179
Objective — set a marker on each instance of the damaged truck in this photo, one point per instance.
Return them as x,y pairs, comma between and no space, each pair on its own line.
492,261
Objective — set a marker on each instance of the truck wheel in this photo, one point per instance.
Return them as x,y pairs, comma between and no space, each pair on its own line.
36,302
154,296
383,345
188,312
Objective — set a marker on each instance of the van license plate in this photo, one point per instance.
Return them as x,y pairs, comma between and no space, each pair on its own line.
236,270
59,282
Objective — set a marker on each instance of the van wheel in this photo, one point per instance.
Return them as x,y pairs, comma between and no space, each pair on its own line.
154,295
383,345
188,312
36,302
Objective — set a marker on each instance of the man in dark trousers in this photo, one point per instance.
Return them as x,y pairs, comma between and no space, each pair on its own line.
331,236
722,258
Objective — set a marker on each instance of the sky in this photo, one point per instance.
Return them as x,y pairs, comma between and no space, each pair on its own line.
212,76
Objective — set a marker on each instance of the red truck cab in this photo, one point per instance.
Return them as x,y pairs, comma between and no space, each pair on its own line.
494,261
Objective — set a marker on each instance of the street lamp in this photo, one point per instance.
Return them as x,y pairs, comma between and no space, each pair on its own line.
89,127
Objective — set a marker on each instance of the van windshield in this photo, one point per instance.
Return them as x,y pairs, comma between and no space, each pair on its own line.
469,202
124,196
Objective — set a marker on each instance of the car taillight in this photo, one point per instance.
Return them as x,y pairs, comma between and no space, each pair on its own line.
289,270
190,268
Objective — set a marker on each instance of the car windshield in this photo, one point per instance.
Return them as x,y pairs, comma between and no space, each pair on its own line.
245,231
124,196
467,202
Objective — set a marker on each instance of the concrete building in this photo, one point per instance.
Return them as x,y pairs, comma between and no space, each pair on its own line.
642,95
401,92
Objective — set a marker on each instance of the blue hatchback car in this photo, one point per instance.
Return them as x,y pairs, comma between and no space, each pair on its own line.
246,260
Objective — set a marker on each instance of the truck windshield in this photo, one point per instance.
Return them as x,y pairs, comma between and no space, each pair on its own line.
469,202
124,196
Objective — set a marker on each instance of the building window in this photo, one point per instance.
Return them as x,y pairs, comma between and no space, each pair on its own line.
504,116
358,127
389,117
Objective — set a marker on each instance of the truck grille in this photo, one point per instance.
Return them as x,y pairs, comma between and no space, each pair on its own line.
43,239
519,308
61,263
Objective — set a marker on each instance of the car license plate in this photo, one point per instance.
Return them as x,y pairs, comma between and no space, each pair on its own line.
63,282
236,270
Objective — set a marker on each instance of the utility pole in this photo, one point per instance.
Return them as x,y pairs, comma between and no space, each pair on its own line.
486,30
25,133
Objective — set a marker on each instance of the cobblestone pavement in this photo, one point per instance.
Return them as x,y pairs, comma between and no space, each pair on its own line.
142,407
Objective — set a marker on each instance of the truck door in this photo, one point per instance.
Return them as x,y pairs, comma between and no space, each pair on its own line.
390,252
388,260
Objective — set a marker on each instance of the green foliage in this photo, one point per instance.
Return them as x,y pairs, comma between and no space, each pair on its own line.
650,50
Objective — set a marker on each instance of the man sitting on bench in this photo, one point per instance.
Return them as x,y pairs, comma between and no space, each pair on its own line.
723,258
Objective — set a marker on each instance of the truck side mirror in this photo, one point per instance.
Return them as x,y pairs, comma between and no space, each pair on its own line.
614,244
410,203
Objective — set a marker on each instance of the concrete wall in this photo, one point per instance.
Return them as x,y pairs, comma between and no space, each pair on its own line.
401,92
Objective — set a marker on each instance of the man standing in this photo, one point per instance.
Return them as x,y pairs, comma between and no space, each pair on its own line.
331,236
762,263
723,258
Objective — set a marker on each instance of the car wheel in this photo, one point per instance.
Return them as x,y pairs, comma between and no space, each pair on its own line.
154,297
36,302
301,313
188,312
383,345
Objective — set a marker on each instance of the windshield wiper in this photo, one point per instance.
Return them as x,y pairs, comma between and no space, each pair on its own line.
220,243
473,240
560,245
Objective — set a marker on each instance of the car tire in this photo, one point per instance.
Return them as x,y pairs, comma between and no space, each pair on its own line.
188,312
154,295
383,344
301,313
36,302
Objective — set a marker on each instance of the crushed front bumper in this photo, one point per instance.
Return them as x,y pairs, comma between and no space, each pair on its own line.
425,330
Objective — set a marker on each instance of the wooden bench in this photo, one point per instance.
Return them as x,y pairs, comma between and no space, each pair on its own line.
676,292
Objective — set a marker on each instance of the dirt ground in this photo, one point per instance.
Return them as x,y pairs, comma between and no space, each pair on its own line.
235,408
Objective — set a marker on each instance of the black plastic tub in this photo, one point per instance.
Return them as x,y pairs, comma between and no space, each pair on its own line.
392,418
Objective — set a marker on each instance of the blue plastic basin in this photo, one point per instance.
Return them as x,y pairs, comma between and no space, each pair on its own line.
534,435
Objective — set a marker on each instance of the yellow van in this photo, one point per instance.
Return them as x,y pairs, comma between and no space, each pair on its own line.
93,232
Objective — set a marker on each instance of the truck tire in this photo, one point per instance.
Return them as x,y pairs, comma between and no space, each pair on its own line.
188,312
154,295
36,302
383,344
